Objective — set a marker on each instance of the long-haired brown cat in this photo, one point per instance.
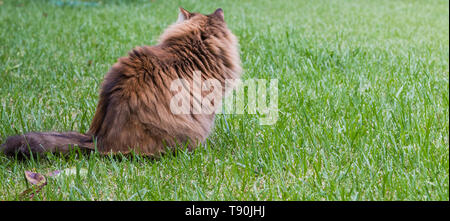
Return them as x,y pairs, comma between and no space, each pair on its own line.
133,112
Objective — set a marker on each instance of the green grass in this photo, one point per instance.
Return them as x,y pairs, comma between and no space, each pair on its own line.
363,100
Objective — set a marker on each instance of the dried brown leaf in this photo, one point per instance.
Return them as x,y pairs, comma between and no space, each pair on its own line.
35,178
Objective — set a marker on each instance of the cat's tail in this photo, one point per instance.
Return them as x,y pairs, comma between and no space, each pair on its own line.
42,142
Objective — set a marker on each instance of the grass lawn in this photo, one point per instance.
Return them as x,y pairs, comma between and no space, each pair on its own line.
363,100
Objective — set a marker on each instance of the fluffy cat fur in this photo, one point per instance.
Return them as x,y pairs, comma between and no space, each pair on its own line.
133,111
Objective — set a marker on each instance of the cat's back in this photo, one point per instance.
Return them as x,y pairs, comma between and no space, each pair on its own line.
142,59
144,67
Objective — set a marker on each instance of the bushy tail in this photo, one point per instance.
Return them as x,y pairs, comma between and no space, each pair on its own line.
42,142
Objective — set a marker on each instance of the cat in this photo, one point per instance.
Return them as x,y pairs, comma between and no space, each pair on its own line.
133,111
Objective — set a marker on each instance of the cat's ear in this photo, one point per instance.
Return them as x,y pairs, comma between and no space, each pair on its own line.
183,15
219,14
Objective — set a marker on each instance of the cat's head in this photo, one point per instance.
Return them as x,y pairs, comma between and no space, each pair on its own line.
193,17
209,28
